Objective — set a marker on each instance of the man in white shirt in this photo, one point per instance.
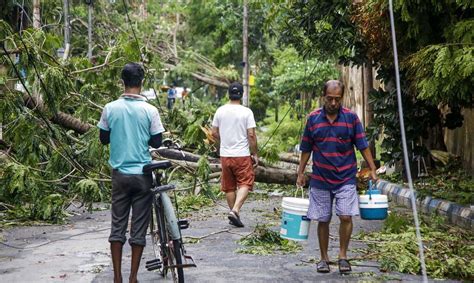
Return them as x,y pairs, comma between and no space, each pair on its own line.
234,126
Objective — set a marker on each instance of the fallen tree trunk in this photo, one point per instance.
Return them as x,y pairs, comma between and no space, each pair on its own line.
289,157
182,155
262,174
65,120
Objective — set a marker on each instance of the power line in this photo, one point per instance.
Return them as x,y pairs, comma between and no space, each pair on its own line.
142,59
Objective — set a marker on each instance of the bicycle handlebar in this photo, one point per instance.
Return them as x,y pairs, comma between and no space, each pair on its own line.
167,144
163,188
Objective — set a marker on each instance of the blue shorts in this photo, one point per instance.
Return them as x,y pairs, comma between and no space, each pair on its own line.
321,200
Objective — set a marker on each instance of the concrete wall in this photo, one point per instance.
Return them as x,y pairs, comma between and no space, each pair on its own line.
460,141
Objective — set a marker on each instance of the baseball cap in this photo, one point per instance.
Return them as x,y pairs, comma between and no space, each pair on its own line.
236,88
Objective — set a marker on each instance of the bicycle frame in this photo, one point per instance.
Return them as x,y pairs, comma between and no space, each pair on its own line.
166,236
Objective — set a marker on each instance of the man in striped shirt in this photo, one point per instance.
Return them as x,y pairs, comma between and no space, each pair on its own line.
330,134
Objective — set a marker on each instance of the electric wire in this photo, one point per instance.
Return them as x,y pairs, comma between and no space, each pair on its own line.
404,143
52,241
142,59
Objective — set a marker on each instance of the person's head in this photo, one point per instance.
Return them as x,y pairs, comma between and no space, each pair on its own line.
132,75
236,91
333,92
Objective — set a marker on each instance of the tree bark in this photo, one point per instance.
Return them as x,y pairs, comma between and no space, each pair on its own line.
262,174
283,176
246,69
210,81
65,120
36,14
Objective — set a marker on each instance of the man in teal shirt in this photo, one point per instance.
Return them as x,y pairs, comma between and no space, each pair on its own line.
130,125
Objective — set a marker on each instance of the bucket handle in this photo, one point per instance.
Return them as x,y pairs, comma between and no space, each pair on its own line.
299,188
370,189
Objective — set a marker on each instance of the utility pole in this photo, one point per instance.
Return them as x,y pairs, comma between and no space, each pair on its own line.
245,61
36,14
89,31
66,29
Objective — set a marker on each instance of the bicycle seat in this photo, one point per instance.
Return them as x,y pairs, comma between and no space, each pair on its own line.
163,164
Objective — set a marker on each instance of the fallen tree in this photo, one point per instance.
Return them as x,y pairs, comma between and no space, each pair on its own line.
262,173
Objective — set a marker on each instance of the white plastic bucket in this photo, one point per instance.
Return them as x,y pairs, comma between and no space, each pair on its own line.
373,206
294,223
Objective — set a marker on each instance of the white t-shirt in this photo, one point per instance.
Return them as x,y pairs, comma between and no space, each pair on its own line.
233,121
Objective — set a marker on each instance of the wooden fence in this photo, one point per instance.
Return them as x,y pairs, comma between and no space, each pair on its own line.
459,141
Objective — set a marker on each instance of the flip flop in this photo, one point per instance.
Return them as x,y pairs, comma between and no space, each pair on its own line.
235,219
323,267
344,266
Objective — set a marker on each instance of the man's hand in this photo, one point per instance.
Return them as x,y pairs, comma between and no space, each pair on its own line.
254,160
373,175
301,180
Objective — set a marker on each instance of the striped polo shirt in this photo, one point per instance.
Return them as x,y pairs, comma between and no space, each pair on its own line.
332,145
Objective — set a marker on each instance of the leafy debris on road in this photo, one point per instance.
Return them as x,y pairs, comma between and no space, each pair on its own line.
263,241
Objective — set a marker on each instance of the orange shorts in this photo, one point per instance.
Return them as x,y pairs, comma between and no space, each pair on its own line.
236,172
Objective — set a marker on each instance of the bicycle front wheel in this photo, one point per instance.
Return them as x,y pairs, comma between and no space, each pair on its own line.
173,235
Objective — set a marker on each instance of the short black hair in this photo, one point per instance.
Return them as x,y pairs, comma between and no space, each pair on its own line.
331,83
236,91
132,75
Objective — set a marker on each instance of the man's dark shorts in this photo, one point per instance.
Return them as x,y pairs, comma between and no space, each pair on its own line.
130,191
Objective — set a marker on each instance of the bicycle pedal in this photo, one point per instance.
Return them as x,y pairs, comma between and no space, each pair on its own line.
154,267
183,224
153,261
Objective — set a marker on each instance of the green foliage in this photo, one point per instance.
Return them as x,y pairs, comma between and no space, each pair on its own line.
51,208
263,241
89,191
448,251
294,75
450,183
285,137
418,116
443,73
322,29
259,103
190,202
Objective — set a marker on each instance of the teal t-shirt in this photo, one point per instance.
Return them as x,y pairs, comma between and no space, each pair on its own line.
131,122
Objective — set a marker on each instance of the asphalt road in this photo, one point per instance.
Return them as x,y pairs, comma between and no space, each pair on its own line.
79,251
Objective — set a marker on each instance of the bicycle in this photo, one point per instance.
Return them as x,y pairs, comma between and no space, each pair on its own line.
165,227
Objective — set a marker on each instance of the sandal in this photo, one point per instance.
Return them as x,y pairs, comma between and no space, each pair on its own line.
323,267
235,219
344,265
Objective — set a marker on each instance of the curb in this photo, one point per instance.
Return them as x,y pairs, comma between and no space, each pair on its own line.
462,216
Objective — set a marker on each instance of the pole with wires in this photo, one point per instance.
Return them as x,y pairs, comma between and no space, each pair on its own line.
67,30
404,143
89,30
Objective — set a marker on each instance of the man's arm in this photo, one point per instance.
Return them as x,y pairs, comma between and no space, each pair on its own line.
215,133
155,140
252,137
104,137
368,158
301,180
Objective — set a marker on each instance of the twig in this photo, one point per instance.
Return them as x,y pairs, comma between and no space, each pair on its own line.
61,179
106,62
208,235
88,100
